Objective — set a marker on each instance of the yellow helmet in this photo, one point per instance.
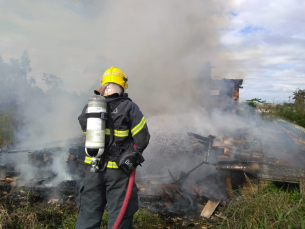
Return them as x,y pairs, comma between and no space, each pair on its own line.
115,75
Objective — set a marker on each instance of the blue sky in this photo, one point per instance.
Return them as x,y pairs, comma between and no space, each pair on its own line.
262,42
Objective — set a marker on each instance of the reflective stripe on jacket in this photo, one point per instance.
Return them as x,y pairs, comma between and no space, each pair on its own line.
110,164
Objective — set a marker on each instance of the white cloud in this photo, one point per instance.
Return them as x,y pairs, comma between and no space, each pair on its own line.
268,37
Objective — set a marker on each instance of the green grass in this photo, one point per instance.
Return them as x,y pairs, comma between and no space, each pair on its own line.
145,219
271,208
43,216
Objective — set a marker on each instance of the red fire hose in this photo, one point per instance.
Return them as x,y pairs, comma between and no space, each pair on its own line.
126,200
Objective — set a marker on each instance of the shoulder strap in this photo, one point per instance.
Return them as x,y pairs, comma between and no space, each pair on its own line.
111,128
115,103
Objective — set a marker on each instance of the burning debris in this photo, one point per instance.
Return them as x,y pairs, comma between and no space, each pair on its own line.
241,160
242,163
38,172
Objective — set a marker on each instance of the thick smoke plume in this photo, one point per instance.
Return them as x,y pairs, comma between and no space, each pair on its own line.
164,48
168,49
41,119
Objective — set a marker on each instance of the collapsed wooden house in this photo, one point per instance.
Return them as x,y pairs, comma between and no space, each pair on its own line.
242,157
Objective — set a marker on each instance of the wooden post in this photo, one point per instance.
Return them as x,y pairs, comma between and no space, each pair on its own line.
302,186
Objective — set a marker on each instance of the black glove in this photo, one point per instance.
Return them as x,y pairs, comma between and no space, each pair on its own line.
130,159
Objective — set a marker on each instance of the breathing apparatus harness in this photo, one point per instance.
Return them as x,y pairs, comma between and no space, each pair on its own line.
111,146
126,156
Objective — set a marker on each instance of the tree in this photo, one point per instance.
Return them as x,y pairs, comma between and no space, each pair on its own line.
15,84
254,102
299,96
52,81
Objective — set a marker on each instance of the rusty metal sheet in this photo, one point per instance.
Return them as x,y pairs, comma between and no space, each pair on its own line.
210,207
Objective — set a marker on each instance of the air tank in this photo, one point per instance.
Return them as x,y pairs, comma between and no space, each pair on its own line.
96,114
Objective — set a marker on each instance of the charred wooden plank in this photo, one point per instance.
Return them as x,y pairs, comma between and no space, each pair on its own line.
240,166
282,173
210,207
302,186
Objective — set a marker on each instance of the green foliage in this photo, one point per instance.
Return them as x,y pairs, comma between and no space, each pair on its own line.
299,96
254,102
271,208
292,192
293,112
290,111
7,124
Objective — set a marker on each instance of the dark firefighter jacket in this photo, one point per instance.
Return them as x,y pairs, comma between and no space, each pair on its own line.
129,126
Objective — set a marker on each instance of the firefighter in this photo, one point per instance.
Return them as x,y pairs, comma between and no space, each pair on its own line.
108,185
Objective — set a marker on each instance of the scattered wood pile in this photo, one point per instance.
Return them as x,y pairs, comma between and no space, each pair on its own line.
243,160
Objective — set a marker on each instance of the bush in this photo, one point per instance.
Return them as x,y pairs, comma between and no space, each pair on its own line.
294,112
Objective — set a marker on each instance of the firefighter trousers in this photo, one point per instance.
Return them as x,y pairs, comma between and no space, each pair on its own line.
101,188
